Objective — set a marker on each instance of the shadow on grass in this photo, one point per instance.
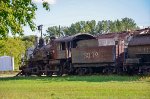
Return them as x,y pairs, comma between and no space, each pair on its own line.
93,78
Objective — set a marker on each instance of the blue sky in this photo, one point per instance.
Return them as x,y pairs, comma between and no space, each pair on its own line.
65,12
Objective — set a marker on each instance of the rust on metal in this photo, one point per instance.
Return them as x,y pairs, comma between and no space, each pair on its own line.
142,39
76,36
134,50
119,40
93,54
120,36
87,43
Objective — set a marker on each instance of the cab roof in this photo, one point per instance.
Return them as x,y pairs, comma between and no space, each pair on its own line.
74,37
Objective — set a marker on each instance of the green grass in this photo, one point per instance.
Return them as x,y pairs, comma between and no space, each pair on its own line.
75,87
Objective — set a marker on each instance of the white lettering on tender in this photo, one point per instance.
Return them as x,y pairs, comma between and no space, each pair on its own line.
89,55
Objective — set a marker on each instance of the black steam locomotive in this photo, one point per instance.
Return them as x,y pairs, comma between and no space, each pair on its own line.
81,54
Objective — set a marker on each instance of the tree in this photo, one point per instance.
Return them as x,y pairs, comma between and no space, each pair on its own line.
99,27
128,24
118,26
28,40
82,25
13,47
92,26
113,27
65,31
104,26
72,29
54,31
14,14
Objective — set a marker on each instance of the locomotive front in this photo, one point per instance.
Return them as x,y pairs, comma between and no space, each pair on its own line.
37,62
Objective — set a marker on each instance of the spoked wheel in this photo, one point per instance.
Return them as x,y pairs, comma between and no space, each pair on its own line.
108,71
82,71
90,71
27,72
120,71
48,70
49,74
146,71
39,74
60,71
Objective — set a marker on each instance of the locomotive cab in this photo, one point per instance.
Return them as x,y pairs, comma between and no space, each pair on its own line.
65,44
63,50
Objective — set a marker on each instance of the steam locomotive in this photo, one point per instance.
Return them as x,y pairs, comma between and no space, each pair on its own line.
83,53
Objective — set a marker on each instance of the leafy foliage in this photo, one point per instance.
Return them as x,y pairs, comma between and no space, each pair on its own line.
94,28
28,40
12,47
16,47
54,31
14,14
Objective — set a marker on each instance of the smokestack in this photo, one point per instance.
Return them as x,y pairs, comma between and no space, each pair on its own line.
41,42
47,40
36,41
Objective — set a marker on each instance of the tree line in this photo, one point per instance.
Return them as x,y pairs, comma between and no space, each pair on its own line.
93,27
16,47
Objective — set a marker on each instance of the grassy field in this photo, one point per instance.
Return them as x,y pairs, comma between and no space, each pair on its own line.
75,87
